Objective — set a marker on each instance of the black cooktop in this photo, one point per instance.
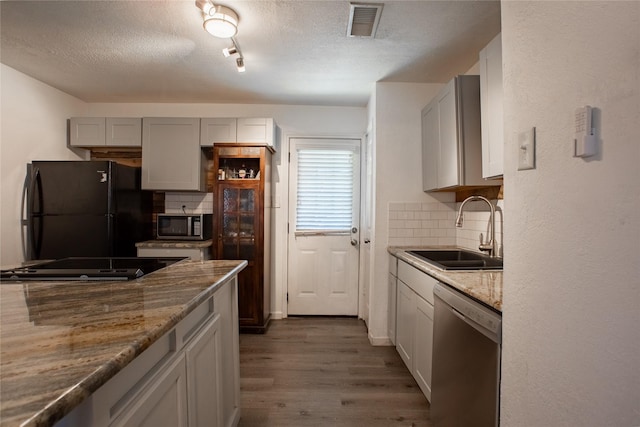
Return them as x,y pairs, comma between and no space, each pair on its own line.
78,268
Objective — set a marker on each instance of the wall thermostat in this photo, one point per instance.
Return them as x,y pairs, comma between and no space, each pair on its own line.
585,138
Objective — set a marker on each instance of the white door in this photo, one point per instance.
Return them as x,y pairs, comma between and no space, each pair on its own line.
324,206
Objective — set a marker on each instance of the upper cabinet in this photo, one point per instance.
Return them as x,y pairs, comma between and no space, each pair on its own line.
492,109
171,155
451,141
105,132
217,130
256,130
241,131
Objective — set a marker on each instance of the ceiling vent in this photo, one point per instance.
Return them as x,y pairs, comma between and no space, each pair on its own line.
363,19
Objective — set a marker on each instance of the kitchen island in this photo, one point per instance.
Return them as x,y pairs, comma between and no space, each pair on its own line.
67,348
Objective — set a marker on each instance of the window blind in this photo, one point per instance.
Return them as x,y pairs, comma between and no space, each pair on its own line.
325,190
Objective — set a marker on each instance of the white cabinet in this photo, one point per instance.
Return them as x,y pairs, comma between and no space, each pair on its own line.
405,323
414,325
214,130
492,111
256,130
189,377
423,348
204,379
105,132
451,136
164,402
171,155
196,254
392,295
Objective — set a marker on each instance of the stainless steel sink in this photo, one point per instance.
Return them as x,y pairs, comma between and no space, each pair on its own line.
458,259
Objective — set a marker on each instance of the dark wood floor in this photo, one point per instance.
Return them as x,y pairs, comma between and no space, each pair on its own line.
322,371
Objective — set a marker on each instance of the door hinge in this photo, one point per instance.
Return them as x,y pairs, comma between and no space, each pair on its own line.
287,296
287,228
289,157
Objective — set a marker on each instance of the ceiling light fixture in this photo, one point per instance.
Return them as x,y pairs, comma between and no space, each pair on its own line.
240,65
228,51
220,21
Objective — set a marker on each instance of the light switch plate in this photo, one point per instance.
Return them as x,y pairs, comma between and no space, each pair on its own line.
527,149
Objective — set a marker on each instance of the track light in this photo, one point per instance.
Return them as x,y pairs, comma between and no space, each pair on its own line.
228,51
204,5
219,21
240,65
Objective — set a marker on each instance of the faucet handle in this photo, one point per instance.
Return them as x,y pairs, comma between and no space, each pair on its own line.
485,247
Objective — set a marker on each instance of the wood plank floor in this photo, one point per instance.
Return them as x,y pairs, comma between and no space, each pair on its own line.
319,371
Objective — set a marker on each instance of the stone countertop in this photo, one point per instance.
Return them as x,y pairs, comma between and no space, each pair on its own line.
175,244
485,286
61,341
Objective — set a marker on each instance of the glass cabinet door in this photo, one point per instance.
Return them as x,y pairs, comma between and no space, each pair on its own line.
238,223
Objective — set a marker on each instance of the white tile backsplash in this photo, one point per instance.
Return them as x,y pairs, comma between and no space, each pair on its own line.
423,224
192,202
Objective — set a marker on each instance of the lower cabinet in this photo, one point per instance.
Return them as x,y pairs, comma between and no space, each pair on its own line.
163,403
423,345
190,377
196,254
204,381
414,323
393,292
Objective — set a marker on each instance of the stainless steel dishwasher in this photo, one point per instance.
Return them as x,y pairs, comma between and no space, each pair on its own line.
466,361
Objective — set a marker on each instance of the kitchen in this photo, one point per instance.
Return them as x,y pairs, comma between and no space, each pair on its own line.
571,229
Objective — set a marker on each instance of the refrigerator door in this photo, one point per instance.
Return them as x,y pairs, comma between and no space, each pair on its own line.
71,187
60,236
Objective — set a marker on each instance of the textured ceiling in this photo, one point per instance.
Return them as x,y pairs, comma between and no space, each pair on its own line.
296,51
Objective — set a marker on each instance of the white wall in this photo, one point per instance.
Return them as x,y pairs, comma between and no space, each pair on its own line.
34,127
397,178
571,354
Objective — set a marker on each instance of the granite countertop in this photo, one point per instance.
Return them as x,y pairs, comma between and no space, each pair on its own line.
61,341
485,286
179,244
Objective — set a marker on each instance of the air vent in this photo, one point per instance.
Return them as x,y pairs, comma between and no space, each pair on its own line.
363,19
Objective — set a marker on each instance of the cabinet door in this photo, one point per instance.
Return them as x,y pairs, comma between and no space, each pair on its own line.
171,154
204,388
449,154
253,130
217,130
405,324
430,146
87,132
226,303
393,292
164,403
123,132
423,346
238,222
492,111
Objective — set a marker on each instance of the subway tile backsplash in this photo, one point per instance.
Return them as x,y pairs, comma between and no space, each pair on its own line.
192,202
428,224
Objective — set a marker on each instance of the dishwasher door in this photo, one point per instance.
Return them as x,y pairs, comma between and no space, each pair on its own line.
466,361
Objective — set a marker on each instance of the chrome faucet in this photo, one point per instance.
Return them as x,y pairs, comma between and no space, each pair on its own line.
489,246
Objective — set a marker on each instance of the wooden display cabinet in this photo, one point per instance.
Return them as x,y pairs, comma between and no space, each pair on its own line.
242,216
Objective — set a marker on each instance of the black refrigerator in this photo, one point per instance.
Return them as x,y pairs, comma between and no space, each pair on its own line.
85,209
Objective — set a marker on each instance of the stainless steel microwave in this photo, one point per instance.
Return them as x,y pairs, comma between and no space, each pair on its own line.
184,226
